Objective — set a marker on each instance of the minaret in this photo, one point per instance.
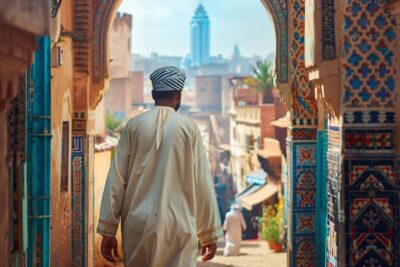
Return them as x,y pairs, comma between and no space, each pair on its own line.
200,37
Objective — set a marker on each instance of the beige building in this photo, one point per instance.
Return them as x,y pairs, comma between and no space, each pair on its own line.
208,93
250,125
137,87
118,97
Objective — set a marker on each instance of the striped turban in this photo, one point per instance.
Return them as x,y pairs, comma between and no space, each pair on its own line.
168,78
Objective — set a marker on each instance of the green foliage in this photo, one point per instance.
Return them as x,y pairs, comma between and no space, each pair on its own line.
271,224
263,79
112,122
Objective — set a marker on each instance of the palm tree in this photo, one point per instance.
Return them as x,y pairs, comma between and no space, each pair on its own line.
262,80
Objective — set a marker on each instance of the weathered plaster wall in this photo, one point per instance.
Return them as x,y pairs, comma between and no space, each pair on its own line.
61,109
19,24
30,16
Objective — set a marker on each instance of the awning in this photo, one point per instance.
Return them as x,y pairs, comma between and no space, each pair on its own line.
249,190
271,149
259,196
282,122
225,147
257,177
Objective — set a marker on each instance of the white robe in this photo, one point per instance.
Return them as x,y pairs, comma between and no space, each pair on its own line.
233,225
160,187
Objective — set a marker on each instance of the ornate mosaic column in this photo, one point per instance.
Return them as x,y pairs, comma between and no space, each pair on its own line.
370,187
79,170
302,147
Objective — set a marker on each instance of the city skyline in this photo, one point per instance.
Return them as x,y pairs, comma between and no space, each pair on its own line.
156,23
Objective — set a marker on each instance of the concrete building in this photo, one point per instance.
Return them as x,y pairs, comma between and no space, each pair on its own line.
200,37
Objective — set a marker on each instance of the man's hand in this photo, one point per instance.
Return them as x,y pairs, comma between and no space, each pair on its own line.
108,244
208,252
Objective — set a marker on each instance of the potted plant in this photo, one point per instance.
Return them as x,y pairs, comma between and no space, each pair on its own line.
271,227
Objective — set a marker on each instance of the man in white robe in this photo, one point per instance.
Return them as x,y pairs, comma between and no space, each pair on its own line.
233,225
160,187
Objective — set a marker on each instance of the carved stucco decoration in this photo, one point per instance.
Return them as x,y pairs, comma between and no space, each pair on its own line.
278,11
103,12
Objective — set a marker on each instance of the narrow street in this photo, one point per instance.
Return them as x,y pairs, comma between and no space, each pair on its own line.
252,253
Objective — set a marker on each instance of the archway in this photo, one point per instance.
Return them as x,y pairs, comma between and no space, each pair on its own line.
292,78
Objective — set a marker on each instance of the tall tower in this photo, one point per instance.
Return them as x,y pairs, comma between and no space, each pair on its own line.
200,37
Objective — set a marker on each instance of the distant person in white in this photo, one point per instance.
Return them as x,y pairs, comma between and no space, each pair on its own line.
233,225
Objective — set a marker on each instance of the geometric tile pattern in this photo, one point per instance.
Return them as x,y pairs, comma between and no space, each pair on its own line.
305,189
278,10
304,134
305,223
369,140
304,104
304,121
369,118
368,58
333,172
77,144
306,252
79,122
371,192
78,202
302,203
371,212
306,154
328,30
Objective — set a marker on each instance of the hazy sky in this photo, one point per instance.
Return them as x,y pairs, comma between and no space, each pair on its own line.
163,26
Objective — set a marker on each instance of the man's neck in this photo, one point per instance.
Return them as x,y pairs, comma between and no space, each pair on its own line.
164,104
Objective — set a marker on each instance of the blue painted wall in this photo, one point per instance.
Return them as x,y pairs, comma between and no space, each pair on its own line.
39,156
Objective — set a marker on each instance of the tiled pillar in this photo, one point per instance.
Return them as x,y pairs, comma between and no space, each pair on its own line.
302,151
302,147
369,186
79,175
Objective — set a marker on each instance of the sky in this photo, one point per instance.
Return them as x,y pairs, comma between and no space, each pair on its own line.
163,26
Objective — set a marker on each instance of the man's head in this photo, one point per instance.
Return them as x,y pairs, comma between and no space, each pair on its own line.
168,83
235,207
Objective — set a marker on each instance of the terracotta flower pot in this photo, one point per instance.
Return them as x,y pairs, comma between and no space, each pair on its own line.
277,247
270,244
